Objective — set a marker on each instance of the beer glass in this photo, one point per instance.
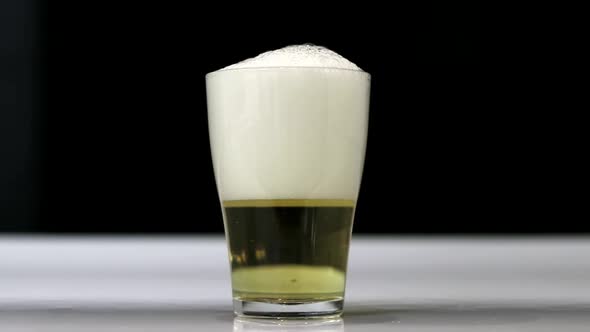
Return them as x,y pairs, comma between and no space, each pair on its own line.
288,147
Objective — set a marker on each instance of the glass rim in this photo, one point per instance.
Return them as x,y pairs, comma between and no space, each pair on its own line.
285,68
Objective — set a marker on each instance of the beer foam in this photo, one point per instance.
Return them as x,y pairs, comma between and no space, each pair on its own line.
306,55
296,130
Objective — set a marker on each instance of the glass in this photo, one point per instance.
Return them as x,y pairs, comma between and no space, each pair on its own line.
288,147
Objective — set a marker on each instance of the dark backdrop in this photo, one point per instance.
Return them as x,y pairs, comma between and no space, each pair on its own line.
104,125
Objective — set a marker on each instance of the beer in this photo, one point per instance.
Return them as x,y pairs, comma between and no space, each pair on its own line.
288,133
288,250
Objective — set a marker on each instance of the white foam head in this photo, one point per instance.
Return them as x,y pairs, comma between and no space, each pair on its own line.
306,55
288,124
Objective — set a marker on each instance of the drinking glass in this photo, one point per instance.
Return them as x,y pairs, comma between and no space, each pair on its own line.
288,147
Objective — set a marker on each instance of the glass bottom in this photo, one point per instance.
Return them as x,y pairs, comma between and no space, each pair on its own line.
288,310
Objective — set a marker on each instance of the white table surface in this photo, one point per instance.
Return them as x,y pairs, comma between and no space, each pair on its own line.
394,284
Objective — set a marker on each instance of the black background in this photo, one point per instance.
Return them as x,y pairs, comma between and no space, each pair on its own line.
105,128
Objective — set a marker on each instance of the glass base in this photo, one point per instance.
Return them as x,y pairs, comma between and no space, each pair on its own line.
289,310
